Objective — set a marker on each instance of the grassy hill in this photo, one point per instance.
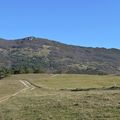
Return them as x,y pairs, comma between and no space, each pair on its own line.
37,55
48,102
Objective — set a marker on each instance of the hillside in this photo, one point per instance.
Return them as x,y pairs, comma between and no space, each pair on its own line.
37,55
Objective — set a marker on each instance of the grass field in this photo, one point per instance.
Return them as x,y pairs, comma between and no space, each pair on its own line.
50,103
64,81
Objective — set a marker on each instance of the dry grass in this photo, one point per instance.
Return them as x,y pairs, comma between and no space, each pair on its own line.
46,104
63,81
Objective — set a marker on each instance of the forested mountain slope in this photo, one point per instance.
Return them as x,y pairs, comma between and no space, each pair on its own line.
36,55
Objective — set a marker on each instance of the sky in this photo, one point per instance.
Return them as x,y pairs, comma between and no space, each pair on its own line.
92,23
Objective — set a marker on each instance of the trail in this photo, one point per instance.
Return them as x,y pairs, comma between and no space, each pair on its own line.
27,86
54,75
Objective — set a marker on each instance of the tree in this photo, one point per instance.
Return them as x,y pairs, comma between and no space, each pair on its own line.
4,72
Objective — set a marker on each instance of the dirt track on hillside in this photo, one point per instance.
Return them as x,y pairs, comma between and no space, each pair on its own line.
27,86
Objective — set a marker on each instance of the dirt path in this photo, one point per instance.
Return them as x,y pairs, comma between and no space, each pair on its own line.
54,75
27,86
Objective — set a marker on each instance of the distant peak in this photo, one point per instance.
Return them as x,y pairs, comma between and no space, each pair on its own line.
30,38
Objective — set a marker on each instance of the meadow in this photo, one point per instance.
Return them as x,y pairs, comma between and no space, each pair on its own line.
49,97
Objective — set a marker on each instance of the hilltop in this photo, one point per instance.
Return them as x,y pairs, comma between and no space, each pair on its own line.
38,55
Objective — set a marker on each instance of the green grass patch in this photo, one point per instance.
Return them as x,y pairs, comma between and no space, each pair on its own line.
71,81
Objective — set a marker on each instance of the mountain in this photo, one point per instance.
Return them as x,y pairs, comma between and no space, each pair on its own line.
38,55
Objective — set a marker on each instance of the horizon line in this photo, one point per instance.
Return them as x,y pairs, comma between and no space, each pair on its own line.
59,42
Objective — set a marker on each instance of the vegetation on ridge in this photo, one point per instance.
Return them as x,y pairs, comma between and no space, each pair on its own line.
36,55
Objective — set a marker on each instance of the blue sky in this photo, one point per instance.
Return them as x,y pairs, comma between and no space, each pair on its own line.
94,23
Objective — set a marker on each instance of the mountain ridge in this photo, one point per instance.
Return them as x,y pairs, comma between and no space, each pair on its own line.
32,54
33,37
